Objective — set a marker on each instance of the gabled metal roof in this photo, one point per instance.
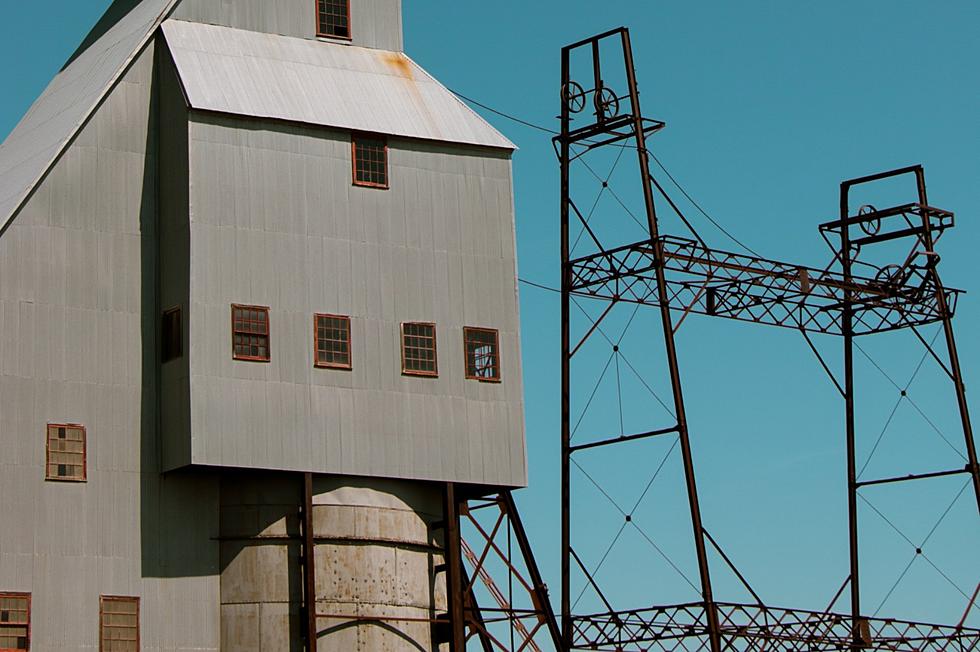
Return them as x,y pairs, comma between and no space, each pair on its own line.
279,77
70,99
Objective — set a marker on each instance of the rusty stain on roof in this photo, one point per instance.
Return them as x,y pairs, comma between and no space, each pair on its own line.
400,64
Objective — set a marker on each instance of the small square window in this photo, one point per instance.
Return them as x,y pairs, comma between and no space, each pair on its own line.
482,354
333,18
370,154
119,624
15,621
419,349
250,333
332,341
66,453
171,335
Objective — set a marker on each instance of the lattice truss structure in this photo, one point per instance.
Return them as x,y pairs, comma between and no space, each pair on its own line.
737,286
685,627
882,276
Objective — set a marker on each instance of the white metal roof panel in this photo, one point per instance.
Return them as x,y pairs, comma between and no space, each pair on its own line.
57,115
279,77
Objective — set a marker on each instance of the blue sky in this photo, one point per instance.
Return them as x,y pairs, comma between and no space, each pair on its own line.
769,105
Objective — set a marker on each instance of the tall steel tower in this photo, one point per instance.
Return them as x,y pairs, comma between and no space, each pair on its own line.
858,294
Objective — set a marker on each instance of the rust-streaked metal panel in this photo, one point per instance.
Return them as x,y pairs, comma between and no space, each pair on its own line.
261,75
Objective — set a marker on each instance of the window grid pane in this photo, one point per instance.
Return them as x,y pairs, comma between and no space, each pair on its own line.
250,333
333,18
15,621
120,624
419,349
333,341
65,453
370,162
482,357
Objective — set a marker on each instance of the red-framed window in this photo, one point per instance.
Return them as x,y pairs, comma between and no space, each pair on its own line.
119,624
15,622
250,333
331,335
419,349
370,157
65,453
482,354
333,18
171,335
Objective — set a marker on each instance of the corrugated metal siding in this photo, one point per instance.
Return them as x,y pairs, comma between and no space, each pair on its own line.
77,344
56,116
275,221
268,76
374,23
377,24
174,255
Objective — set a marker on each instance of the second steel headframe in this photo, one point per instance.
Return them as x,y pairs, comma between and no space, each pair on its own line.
683,274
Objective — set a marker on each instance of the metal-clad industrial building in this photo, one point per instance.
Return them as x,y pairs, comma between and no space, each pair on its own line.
240,242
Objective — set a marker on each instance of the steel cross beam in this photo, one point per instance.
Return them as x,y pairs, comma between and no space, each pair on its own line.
747,288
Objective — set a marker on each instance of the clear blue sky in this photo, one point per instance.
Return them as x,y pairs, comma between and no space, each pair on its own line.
769,106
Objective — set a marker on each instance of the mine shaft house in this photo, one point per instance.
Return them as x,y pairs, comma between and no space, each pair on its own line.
241,242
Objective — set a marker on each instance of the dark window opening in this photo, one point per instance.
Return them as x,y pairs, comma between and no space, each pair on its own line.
482,354
370,161
15,621
172,335
333,18
419,349
250,333
332,333
65,453
119,624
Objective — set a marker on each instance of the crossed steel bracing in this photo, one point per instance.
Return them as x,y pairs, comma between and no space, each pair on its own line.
850,298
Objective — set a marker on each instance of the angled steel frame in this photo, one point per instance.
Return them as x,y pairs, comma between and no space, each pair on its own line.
496,526
682,276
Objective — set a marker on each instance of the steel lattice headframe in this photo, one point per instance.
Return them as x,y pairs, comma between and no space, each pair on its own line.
680,275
